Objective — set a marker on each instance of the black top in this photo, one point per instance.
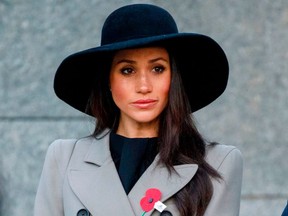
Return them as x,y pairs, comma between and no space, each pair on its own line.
132,156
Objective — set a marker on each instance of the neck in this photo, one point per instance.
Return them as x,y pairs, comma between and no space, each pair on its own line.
137,131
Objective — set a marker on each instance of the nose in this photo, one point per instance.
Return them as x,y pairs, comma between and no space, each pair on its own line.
144,83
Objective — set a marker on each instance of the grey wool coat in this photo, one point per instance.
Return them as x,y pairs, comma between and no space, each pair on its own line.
80,174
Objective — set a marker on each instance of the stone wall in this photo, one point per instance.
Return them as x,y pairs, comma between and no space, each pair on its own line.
252,114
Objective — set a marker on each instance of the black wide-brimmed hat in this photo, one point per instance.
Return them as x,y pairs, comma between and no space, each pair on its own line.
202,62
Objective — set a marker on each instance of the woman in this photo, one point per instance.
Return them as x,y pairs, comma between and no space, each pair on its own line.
145,156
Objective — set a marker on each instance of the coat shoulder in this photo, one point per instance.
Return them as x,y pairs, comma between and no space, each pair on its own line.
61,151
216,154
64,147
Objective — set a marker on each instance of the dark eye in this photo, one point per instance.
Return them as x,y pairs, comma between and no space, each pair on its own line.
126,71
159,69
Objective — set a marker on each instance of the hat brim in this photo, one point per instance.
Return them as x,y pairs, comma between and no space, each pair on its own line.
203,66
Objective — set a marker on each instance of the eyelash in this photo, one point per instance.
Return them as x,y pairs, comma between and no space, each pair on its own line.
126,70
162,68
129,70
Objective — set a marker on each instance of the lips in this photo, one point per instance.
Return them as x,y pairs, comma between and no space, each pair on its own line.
144,103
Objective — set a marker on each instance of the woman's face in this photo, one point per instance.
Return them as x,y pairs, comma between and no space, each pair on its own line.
139,82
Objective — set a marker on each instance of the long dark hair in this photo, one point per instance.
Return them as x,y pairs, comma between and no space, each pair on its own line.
179,140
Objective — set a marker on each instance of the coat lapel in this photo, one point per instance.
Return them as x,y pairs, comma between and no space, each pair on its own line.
100,190
96,182
160,178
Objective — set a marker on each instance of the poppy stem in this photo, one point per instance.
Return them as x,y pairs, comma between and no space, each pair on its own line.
143,213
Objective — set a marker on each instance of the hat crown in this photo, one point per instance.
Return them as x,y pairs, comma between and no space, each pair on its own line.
137,21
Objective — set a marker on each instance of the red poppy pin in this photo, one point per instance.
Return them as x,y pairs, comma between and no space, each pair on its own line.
152,196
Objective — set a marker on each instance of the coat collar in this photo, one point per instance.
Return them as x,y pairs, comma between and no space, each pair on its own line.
97,184
98,151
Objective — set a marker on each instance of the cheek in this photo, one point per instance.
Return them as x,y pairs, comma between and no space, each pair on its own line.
165,87
119,91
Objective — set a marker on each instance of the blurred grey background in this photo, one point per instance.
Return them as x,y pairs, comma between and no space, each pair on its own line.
35,36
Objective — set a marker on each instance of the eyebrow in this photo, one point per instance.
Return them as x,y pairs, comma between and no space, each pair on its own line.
150,61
